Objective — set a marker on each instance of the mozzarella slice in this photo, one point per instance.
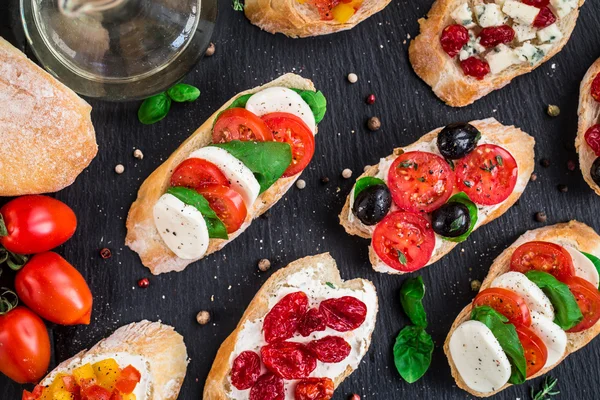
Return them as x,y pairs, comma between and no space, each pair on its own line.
534,297
280,99
478,357
240,177
552,335
584,268
521,12
181,227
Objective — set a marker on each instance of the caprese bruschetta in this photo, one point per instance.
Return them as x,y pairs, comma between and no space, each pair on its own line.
304,332
140,361
587,142
468,48
420,201
231,170
539,303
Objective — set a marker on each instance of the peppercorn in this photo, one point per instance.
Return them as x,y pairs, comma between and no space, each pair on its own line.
346,173
203,317
352,78
300,183
144,283
137,153
553,110
119,168
373,124
264,265
354,397
563,188
571,165
370,99
533,177
210,50
105,253
541,216
545,162
324,180
475,285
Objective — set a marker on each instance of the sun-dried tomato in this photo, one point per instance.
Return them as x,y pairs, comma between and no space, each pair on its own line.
245,370
343,314
537,3
313,321
544,18
314,389
289,360
596,88
494,35
282,321
330,349
453,38
268,387
475,67
592,138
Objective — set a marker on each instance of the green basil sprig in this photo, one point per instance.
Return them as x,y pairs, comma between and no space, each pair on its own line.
566,311
412,353
411,296
154,108
241,101
595,260
365,182
216,228
463,198
506,334
183,92
316,101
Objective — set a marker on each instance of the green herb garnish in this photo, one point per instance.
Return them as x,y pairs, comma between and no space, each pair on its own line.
412,353
595,260
330,285
238,5
316,101
401,257
456,224
500,160
365,182
411,296
154,108
547,389
183,92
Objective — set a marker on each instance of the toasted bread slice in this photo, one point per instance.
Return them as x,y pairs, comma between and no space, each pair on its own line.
323,270
46,132
517,142
444,74
573,233
589,114
142,235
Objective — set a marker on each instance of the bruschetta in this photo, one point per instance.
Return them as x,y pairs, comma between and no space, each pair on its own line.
538,304
305,331
140,361
587,142
231,170
468,48
420,201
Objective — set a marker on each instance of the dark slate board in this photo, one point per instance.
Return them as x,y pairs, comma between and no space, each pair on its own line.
305,222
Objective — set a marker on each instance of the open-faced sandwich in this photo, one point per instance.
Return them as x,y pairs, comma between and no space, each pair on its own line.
140,361
304,332
538,304
423,199
231,170
588,132
468,48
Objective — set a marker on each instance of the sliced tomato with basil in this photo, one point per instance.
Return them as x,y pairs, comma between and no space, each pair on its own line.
420,181
488,174
290,129
195,173
536,353
404,241
543,256
240,124
227,204
507,303
588,300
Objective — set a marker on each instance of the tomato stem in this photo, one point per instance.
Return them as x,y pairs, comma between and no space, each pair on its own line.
3,230
13,260
6,304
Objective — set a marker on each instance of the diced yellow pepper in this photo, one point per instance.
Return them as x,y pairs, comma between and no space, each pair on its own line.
129,396
84,372
343,12
58,383
62,395
107,371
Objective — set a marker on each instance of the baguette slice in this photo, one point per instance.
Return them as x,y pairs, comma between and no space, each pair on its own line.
517,142
46,133
142,235
323,269
589,114
573,233
162,348
300,19
444,74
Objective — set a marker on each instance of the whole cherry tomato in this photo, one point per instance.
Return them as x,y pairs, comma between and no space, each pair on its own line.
35,224
24,346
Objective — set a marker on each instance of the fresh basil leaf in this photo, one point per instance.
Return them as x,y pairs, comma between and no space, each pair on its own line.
154,108
364,183
241,101
412,353
566,311
316,101
464,199
216,228
267,160
411,296
182,92
595,260
506,334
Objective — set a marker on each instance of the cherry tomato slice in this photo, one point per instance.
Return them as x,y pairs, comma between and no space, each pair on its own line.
507,303
588,300
404,241
227,204
488,174
290,129
536,353
543,256
240,124
314,389
195,173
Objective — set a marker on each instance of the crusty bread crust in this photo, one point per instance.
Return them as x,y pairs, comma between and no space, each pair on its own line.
444,74
217,383
575,233
517,142
296,19
589,114
159,344
142,235
46,132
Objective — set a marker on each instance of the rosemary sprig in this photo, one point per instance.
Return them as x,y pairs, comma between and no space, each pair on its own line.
238,5
547,389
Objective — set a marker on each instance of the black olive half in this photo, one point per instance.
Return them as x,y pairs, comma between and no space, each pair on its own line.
457,140
595,171
451,220
372,204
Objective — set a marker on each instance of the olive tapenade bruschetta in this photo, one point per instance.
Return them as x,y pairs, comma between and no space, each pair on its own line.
304,332
468,48
423,199
538,304
231,170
